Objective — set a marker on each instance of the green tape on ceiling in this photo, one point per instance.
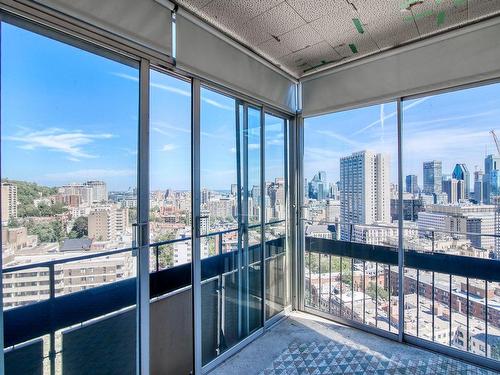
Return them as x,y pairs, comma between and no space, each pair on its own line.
353,48
440,18
358,25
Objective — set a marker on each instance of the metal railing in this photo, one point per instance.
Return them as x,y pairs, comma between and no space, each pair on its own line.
440,304
49,320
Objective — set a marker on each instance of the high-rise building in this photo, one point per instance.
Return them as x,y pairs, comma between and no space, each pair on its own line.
107,224
432,177
491,179
455,189
99,192
411,184
365,190
318,187
9,201
479,186
460,172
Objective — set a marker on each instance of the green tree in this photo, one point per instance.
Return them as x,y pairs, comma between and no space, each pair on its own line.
165,252
380,292
13,223
80,228
46,232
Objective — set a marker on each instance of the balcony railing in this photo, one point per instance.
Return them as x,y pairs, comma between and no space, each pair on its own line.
48,318
449,300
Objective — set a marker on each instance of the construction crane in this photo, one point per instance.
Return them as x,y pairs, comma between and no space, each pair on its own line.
496,141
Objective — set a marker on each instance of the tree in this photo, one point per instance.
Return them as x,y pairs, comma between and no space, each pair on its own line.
380,292
13,223
80,228
46,232
165,252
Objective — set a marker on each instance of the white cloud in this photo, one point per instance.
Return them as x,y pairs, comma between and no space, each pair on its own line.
58,140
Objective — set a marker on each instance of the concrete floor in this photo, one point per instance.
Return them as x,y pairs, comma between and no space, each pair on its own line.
306,344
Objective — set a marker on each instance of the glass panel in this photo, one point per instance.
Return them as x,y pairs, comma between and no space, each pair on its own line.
351,179
275,199
69,172
232,299
170,170
451,168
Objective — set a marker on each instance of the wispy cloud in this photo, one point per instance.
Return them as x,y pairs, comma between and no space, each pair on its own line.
175,90
166,129
384,117
83,174
332,134
58,140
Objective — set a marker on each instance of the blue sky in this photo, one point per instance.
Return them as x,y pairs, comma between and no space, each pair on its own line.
451,127
70,115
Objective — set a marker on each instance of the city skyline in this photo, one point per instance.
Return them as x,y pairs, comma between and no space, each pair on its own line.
453,127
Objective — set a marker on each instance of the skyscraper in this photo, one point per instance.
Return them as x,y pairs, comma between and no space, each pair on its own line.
364,190
411,184
491,179
318,187
460,172
479,186
432,177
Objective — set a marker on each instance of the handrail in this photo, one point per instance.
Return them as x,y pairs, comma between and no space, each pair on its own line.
383,225
51,263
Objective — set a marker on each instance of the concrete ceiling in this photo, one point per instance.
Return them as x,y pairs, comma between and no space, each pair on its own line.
303,35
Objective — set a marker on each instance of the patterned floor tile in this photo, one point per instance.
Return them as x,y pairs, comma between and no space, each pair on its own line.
329,357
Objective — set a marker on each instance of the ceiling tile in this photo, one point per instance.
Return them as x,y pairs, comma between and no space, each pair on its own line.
385,22
300,38
481,8
310,32
311,10
194,5
253,36
314,55
431,16
277,20
274,49
236,12
334,25
363,46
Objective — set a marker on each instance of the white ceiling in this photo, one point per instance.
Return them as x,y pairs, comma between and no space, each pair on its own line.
301,35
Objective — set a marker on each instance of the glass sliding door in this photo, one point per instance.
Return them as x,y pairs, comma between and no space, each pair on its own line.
351,196
170,222
230,222
275,215
69,176
452,171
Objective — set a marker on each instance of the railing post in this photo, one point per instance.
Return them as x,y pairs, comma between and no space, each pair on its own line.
418,299
157,254
52,336
449,302
376,294
433,239
467,309
432,304
486,318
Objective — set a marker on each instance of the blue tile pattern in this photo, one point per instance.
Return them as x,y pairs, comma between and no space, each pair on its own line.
329,357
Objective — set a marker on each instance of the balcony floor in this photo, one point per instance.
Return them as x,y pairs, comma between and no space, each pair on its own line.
306,344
